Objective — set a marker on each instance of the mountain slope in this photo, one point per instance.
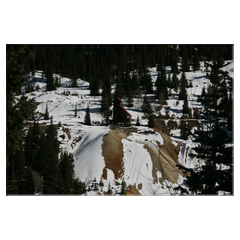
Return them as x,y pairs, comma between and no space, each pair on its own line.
144,158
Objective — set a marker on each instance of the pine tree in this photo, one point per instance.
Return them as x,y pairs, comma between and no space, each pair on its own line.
146,81
151,121
87,119
106,116
46,114
215,152
183,92
31,147
75,111
104,101
146,107
53,183
185,59
138,122
50,81
109,191
161,83
95,88
74,76
196,64
175,81
174,58
130,99
67,171
101,182
185,107
134,82
123,188
118,90
184,131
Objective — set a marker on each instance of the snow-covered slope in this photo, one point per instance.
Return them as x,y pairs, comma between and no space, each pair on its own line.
146,159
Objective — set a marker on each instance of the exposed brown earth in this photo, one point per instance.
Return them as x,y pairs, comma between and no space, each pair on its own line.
163,163
164,160
112,150
132,191
168,147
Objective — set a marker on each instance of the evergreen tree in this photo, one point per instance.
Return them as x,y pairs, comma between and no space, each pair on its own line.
46,114
185,107
94,88
185,59
104,101
106,117
196,64
175,81
161,83
138,122
215,152
184,131
32,145
134,82
101,182
118,90
109,191
53,183
130,99
123,188
75,111
67,171
161,56
174,58
146,81
183,92
151,121
50,81
87,119
74,76
146,107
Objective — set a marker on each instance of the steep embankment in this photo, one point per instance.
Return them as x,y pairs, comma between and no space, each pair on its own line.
145,159
112,151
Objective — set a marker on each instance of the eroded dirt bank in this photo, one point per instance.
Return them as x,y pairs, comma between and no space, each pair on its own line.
164,160
112,150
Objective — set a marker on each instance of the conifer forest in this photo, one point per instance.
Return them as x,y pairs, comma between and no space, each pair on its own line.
170,134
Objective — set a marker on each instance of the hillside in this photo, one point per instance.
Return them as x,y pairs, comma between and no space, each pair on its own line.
146,159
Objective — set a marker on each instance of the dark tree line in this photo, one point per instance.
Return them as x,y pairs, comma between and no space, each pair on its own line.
32,150
97,63
215,136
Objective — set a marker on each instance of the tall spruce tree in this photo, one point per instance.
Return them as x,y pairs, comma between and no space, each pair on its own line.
104,101
175,81
46,114
146,81
151,121
183,92
185,59
50,81
146,107
67,171
118,90
196,64
162,93
53,183
75,111
215,151
87,119
174,58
